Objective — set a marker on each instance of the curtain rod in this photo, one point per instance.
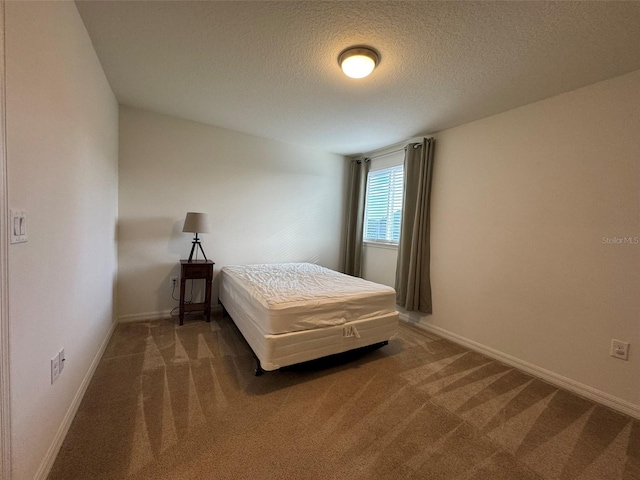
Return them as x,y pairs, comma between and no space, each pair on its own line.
388,153
416,145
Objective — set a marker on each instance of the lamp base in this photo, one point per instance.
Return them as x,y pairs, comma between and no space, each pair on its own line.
196,241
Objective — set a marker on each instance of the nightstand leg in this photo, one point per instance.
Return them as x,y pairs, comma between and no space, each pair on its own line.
207,299
183,281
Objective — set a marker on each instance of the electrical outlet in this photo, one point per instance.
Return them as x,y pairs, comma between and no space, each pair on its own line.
619,349
173,281
55,368
61,360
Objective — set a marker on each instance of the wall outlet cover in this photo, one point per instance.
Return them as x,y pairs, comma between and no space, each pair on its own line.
61,360
55,368
619,349
18,226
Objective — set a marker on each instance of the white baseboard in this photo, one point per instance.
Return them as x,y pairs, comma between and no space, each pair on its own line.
141,317
160,315
581,389
50,457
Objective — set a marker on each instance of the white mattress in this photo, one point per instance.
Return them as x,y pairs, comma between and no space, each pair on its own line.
290,297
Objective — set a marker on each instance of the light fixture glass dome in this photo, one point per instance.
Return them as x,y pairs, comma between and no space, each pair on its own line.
358,62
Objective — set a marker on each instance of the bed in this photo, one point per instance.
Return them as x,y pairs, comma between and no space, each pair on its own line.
294,312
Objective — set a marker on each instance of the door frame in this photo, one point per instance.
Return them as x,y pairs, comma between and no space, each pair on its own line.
5,385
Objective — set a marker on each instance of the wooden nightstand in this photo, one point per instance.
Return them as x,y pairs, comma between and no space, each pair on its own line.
196,270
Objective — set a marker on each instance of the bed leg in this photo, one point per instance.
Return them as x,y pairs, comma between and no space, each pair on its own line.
259,371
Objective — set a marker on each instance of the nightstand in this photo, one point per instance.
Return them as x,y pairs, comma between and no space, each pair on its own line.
196,270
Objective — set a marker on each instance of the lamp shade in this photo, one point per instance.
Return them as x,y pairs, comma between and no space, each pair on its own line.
196,223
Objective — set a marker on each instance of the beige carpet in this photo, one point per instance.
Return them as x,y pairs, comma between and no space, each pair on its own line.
171,402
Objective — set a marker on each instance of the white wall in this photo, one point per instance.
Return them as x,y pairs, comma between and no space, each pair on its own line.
62,136
267,202
379,263
521,203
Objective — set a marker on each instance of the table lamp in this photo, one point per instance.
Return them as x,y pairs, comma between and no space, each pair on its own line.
196,223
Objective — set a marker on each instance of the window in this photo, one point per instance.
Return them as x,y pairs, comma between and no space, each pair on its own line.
383,207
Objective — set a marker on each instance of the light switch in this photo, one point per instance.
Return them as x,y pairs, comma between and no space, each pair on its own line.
18,226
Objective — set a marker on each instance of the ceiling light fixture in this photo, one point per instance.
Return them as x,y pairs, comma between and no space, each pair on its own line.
358,62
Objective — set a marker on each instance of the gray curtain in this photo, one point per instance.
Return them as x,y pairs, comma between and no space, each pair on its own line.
413,282
355,217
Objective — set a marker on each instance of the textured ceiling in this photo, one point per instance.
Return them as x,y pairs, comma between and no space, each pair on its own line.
270,68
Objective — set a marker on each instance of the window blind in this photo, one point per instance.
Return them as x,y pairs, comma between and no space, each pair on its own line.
383,207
